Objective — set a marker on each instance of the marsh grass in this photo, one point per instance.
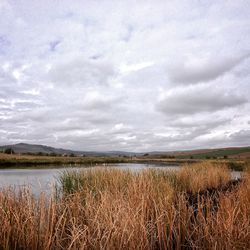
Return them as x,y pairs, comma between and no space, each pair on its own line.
116,209
201,176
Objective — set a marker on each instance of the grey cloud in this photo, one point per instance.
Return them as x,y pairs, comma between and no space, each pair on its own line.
197,99
54,44
79,71
202,121
203,70
97,101
26,105
241,137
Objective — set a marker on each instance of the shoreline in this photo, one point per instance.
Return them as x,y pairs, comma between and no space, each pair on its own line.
28,161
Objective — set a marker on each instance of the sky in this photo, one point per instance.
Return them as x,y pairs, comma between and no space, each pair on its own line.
125,75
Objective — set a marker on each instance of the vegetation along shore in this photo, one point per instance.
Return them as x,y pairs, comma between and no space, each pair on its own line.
105,208
31,160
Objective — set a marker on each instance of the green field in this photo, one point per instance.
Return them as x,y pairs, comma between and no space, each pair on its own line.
216,153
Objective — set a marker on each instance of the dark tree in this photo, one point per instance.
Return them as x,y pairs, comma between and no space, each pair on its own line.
9,151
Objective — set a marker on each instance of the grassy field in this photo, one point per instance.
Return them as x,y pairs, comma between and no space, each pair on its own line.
16,160
194,208
236,153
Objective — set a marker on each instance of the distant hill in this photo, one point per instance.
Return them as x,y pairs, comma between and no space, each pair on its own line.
24,148
233,152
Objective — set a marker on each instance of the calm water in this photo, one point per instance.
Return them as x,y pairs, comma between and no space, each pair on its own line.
44,179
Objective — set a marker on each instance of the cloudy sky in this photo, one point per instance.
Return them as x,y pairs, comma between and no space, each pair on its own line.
125,75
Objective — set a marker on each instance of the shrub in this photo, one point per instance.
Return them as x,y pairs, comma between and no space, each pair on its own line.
9,151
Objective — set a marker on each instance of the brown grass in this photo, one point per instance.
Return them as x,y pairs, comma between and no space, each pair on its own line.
19,161
114,209
203,175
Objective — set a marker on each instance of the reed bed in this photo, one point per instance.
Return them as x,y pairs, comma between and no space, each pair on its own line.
116,209
201,176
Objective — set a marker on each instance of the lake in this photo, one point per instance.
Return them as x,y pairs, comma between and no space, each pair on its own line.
44,179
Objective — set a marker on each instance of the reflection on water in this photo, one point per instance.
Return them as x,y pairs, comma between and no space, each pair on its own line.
37,179
45,179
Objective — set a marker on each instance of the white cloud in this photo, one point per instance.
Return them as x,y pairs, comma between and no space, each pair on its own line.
125,68
94,75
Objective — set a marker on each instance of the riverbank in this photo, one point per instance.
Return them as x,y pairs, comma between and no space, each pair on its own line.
29,161
105,208
32,160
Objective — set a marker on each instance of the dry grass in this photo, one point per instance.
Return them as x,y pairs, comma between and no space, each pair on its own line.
7,160
113,209
203,175
229,226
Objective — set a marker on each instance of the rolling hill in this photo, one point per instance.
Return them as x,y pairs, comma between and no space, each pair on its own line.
24,148
233,152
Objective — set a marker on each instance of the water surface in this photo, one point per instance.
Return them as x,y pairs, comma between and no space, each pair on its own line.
45,179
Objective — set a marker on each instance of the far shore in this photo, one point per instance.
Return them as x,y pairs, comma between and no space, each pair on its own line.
29,161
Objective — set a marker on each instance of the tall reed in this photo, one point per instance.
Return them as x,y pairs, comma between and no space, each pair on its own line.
116,209
202,175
